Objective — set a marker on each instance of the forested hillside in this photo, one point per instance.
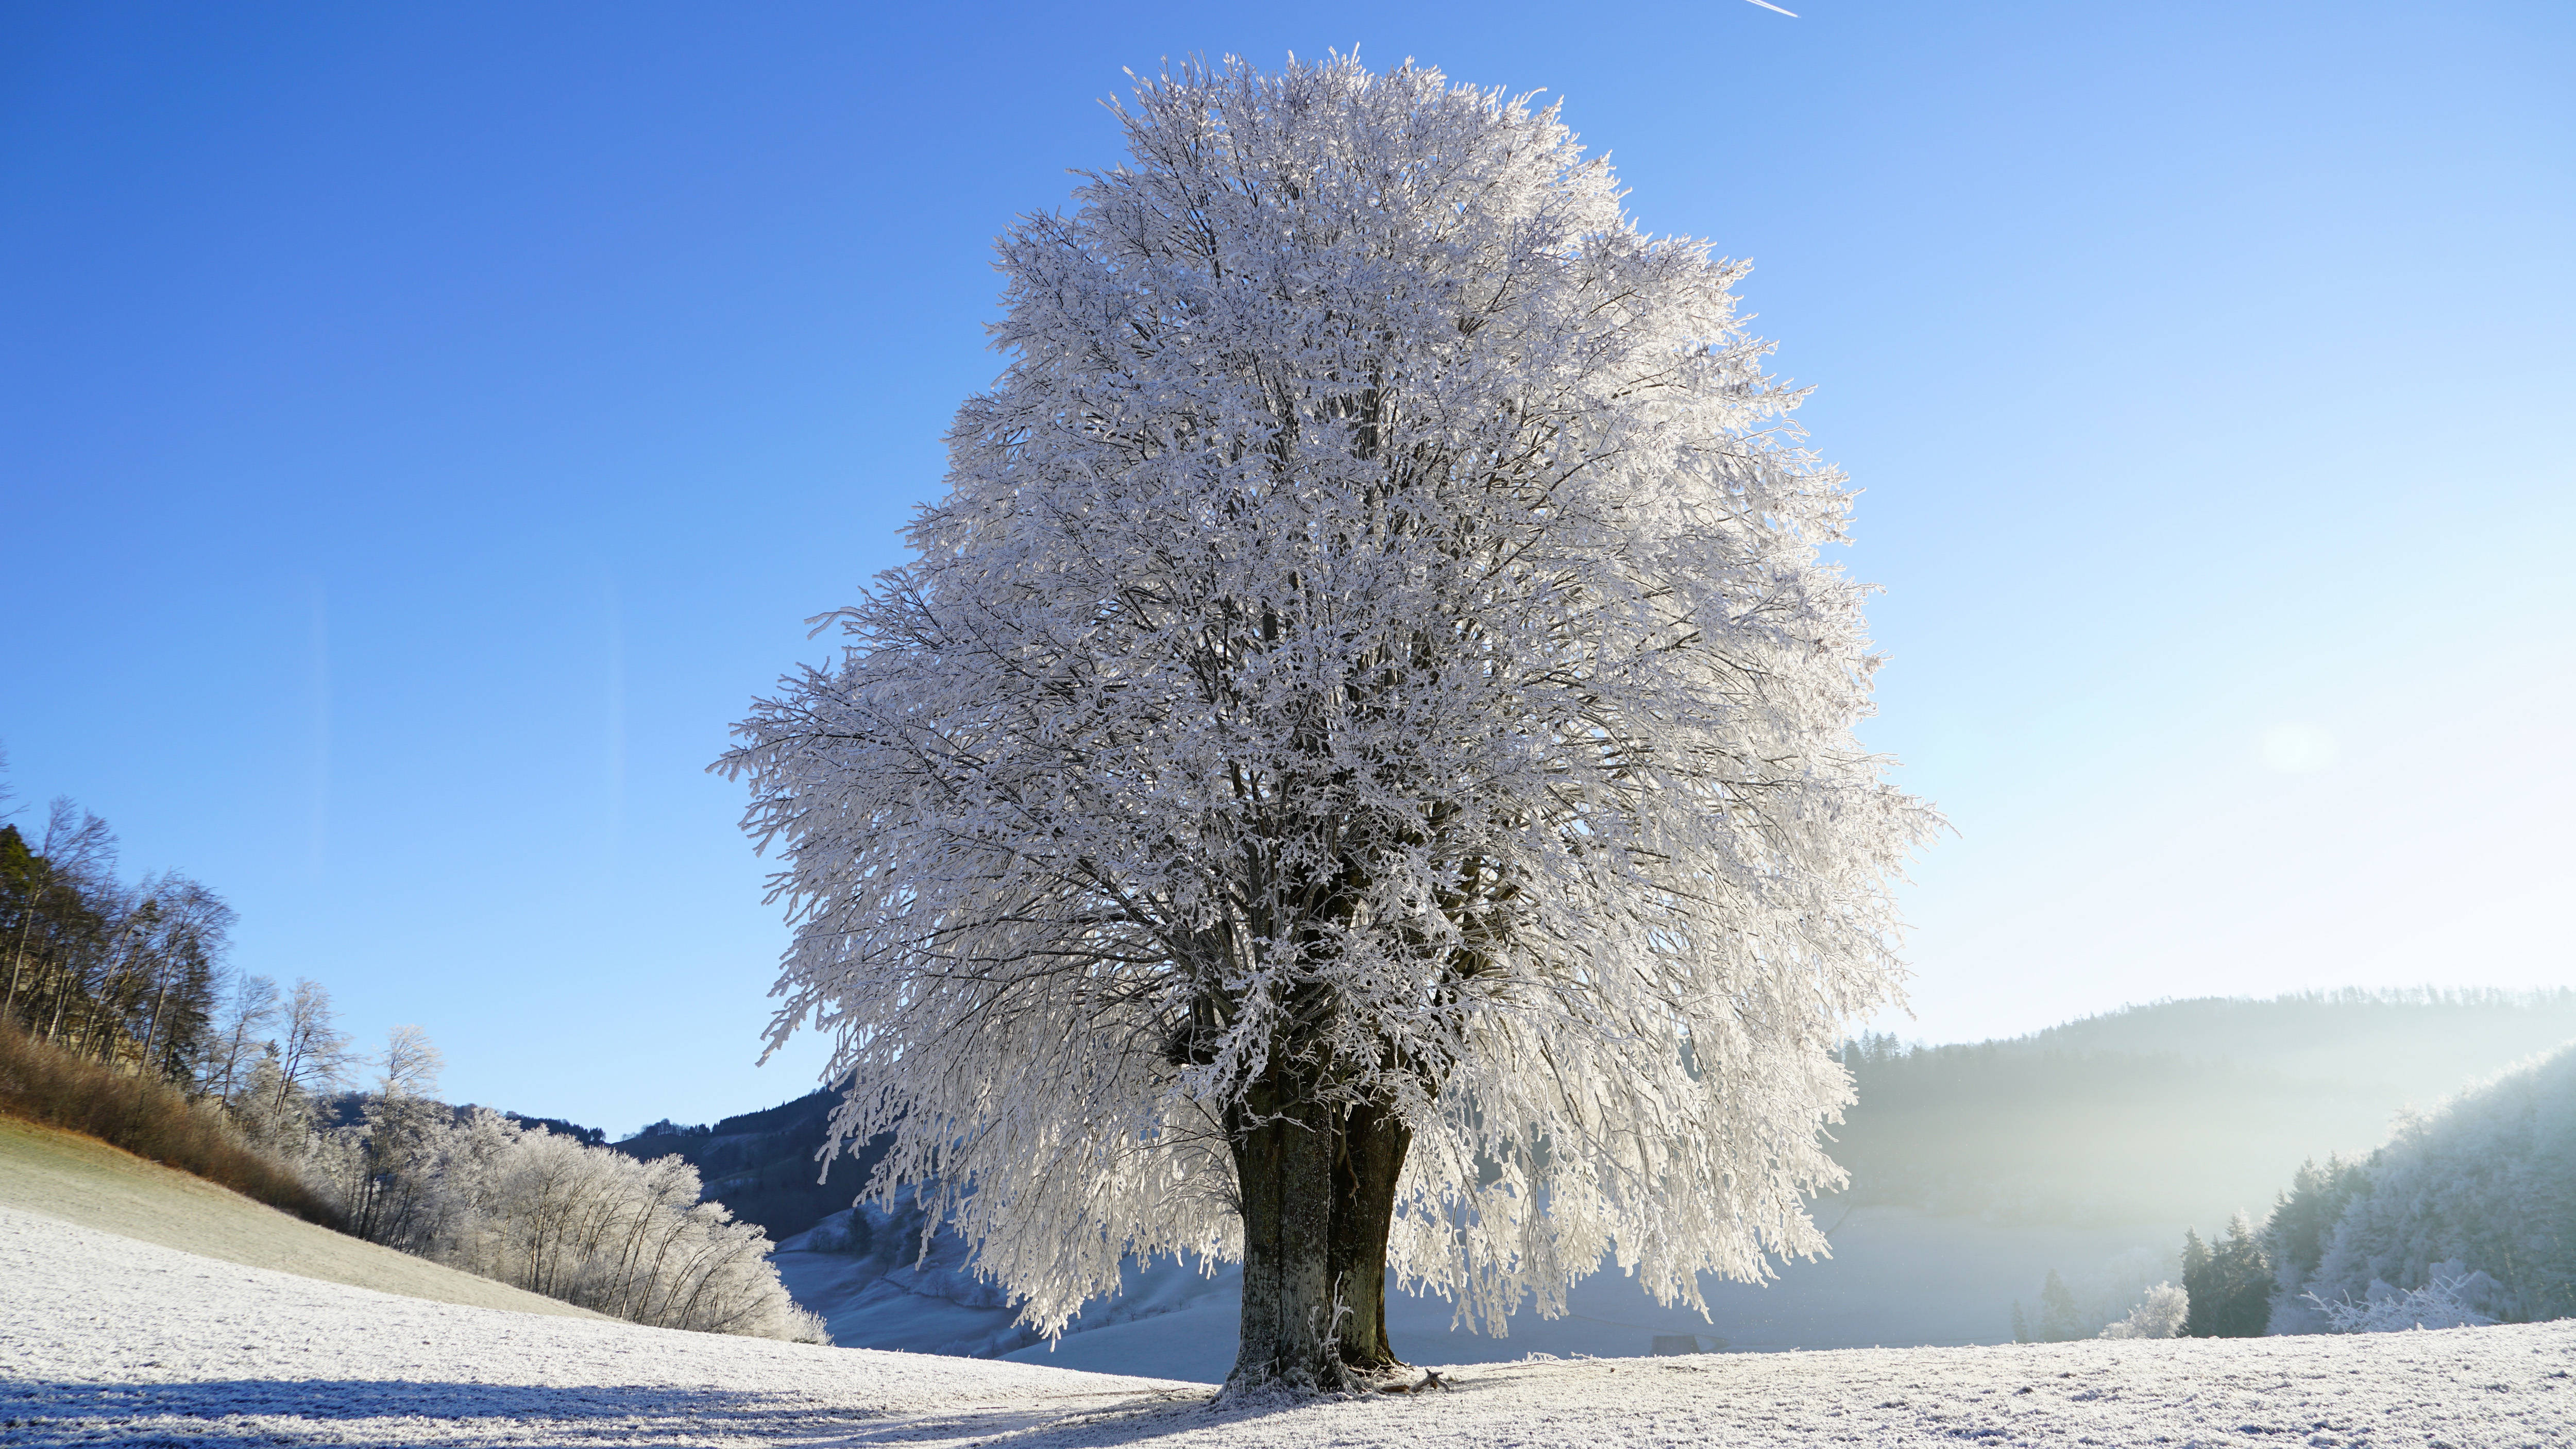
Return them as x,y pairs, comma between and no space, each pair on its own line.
2466,1210
2422,1043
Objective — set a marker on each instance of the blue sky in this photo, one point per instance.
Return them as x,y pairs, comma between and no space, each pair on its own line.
423,429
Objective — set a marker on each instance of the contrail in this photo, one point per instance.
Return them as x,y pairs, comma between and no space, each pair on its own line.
1767,5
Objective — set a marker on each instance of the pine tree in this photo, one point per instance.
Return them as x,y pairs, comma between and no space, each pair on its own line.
2230,1286
2198,1284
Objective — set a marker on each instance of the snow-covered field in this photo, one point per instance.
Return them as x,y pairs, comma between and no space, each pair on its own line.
105,1339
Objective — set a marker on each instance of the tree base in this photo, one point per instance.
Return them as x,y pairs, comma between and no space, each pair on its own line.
1242,1390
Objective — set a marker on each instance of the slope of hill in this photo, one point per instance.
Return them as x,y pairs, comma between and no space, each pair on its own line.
83,1181
105,1340
2482,1190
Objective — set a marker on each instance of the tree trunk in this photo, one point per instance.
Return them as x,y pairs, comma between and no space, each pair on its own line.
1318,1189
1283,1160
1368,1159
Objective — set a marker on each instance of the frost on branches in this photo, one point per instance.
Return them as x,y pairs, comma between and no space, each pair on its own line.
1358,773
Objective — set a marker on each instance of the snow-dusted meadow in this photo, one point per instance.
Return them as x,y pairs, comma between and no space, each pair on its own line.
106,1339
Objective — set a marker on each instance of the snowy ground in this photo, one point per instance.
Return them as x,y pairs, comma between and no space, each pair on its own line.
106,1339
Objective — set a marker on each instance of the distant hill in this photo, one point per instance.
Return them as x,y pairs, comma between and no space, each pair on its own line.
2412,1045
2175,1111
766,1165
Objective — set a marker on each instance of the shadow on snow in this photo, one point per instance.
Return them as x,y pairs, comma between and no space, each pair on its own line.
227,1412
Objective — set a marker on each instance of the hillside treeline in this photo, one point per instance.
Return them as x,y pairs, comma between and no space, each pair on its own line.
2469,1209
122,972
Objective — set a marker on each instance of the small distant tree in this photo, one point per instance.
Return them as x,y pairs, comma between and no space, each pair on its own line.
249,1008
1359,772
2059,1319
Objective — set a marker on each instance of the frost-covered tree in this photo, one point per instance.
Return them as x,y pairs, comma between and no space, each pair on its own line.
599,1228
1359,771
388,1179
2297,1233
2059,1319
250,1007
314,1054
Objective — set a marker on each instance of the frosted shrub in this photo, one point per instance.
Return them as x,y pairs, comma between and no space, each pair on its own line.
2442,1303
627,1238
2160,1316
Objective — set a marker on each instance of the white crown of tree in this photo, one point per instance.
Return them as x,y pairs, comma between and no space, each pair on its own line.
1375,634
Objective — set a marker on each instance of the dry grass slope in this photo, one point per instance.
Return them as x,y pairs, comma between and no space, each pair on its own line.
145,1116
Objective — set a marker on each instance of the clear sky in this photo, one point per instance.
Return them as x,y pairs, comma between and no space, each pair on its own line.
423,429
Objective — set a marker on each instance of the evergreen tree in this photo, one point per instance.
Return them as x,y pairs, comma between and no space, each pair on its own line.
2230,1285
